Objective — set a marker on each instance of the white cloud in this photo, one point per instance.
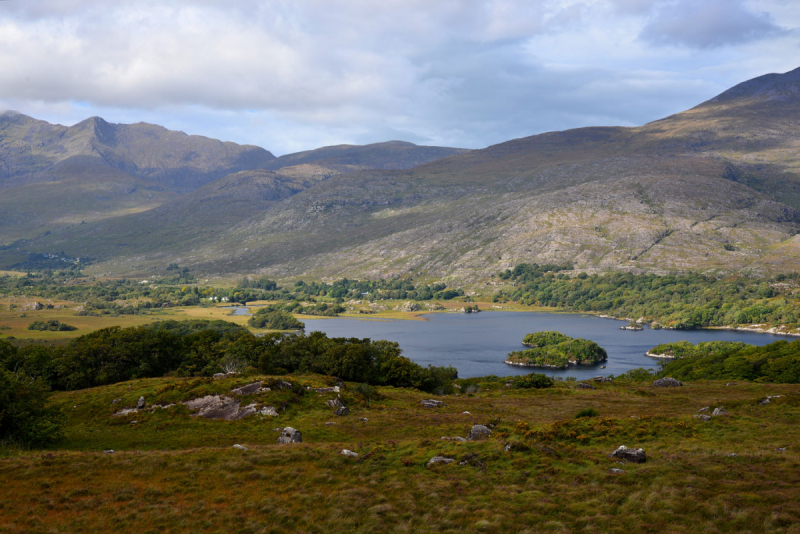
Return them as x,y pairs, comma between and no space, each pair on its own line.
292,75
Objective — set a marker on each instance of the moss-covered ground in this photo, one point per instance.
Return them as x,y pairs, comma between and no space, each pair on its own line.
172,472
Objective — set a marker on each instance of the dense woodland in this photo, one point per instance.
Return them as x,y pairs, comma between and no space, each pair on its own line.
677,301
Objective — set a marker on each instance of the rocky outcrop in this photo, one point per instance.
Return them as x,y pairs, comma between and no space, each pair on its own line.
720,411
249,389
667,382
409,307
478,432
431,403
342,410
636,456
290,435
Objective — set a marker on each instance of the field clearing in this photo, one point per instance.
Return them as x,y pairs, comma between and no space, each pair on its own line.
175,472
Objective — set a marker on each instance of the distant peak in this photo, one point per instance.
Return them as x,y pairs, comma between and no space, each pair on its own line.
784,86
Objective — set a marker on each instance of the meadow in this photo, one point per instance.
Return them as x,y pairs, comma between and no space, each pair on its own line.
540,470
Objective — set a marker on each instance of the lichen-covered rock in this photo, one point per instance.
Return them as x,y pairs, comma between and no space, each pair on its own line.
478,432
667,382
335,403
431,403
290,435
342,410
249,389
409,307
268,410
440,460
720,411
636,456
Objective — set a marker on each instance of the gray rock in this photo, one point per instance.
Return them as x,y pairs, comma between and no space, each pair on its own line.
616,471
109,451
282,384
440,460
703,417
240,447
116,401
331,423
290,435
667,382
478,432
704,409
342,410
636,456
249,389
268,410
215,407
720,411
363,419
349,454
780,449
134,422
140,404
334,389
334,403
431,403
217,376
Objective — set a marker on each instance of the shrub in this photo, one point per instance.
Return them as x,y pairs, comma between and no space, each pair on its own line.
587,412
51,325
533,380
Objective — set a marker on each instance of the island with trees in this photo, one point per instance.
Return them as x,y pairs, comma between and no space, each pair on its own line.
554,350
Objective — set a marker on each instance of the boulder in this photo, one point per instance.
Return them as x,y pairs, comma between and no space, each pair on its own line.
268,410
335,403
290,435
249,389
667,382
602,379
431,403
703,417
636,456
140,404
283,384
215,407
240,447
720,411
616,471
440,460
349,454
342,410
217,376
409,307
703,409
334,389
116,401
478,432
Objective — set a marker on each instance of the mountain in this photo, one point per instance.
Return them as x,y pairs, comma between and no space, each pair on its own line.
715,188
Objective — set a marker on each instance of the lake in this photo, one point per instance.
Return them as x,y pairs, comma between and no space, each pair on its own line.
477,344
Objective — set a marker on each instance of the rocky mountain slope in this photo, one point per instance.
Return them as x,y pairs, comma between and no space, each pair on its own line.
715,188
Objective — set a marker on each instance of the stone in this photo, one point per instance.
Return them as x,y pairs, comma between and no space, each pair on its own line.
342,410
409,307
431,403
134,422
616,471
667,382
585,385
140,404
290,435
109,451
440,460
268,410
349,454
466,413
780,449
363,419
249,389
334,389
240,447
636,456
116,401
331,423
217,376
478,432
334,403
703,409
215,407
458,438
703,417
282,384
720,411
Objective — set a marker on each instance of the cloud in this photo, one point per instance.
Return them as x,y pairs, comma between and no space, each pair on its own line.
705,24
296,74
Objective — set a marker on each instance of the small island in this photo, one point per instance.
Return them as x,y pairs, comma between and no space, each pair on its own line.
554,350
685,349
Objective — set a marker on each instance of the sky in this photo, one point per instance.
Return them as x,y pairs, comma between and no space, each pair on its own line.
291,75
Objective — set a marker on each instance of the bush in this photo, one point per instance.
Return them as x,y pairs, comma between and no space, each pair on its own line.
51,325
534,381
25,418
587,412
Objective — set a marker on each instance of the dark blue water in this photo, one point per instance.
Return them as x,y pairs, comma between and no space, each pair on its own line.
477,344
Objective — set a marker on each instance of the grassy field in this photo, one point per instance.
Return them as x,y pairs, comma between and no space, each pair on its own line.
172,472
16,321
